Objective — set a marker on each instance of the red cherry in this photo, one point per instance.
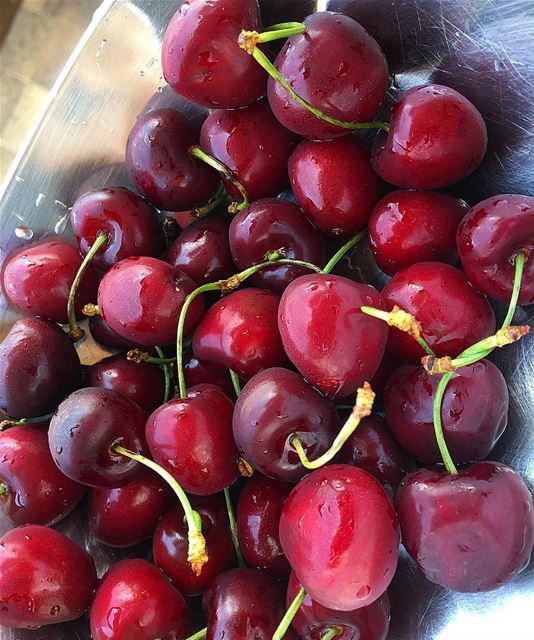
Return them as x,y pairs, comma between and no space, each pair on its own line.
387,366
44,578
469,532
104,335
436,138
201,372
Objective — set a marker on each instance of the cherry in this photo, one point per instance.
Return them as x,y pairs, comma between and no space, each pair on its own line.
170,545
104,335
200,372
240,333
490,237
85,427
258,519
39,366
201,58
253,144
44,578
406,227
135,601
140,299
340,534
387,366
468,532
337,67
452,314
332,343
273,224
130,223
38,277
124,516
274,405
158,158
436,138
335,184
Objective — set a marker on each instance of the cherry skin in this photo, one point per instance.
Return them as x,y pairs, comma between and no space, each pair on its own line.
387,366
39,366
170,544
37,491
135,601
253,144
240,332
436,138
275,405
38,278
141,299
273,224
335,184
337,67
489,238
258,520
85,427
104,335
340,534
452,314
157,156
124,516
469,532
201,59
202,372
44,578
130,222
406,227
319,318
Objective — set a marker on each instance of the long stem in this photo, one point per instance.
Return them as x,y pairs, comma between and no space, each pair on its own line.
284,25
283,30
235,382
289,615
233,527
199,635
166,373
519,263
7,423
401,320
438,426
343,250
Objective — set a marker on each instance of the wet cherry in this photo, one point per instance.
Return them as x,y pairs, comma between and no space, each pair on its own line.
200,372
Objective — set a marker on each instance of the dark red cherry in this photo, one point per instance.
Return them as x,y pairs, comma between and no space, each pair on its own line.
44,578
141,299
38,278
130,222
158,158
436,138
192,438
253,144
340,534
34,489
201,59
468,532
490,236
104,335
337,67
240,332
270,225
335,184
453,315
39,366
85,427
124,516
202,372
387,366
258,520
332,343
170,545
275,405
312,620
135,601
474,411
406,227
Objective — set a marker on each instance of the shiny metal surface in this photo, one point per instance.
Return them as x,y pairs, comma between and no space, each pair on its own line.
481,47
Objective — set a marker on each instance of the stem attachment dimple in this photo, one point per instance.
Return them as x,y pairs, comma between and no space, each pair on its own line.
233,528
289,615
401,320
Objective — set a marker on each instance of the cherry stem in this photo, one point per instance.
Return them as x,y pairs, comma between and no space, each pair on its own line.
138,356
289,615
235,382
519,263
166,372
75,332
197,544
363,406
438,426
401,320
233,528
205,210
285,25
199,635
343,250
281,30
331,632
8,423
91,310
4,488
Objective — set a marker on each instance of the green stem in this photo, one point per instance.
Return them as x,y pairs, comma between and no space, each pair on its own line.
205,210
331,633
385,316
285,25
233,527
4,488
343,250
7,423
289,615
166,373
438,426
235,382
199,635
282,30
519,263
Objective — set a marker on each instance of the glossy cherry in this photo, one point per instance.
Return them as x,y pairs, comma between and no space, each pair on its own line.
436,138
332,343
201,372
335,184
468,532
135,601
490,236
102,333
44,578
406,227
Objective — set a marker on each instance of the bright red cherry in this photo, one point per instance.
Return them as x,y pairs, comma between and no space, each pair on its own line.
436,138
468,532
201,372
44,578
489,238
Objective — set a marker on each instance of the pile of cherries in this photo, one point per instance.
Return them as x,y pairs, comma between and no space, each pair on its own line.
159,441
